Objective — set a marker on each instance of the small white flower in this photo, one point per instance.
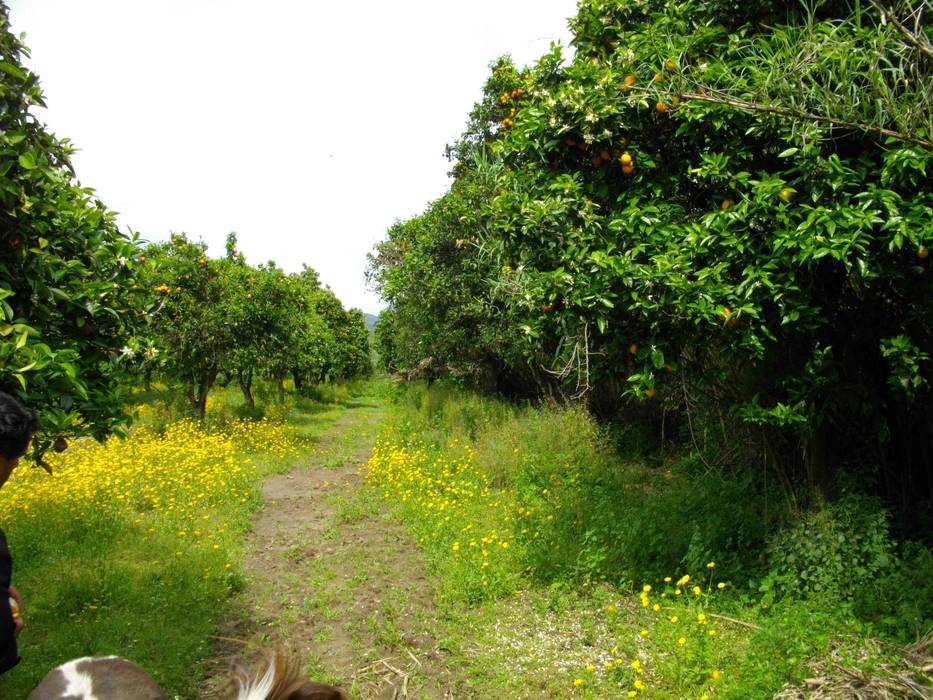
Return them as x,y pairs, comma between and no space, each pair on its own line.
127,352
591,117
589,138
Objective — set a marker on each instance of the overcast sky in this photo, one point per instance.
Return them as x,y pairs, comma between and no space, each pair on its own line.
306,127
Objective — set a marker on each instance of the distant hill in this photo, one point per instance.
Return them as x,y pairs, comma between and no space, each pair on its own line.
370,320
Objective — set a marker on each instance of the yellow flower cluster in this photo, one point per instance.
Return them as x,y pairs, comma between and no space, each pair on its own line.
682,626
178,474
445,493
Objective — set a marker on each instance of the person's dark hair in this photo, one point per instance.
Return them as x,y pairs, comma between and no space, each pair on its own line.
17,424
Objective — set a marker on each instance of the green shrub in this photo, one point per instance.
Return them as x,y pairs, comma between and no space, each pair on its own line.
833,552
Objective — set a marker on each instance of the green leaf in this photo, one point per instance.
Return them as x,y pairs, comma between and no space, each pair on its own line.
788,152
657,359
27,159
13,70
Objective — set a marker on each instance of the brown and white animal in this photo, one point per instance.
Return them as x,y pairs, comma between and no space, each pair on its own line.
114,678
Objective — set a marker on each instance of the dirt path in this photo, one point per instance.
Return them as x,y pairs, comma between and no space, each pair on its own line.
337,580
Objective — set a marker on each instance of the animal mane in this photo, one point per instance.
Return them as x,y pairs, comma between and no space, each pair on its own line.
279,679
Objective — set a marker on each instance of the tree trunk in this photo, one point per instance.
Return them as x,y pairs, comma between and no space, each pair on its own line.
245,380
200,408
189,394
203,388
281,382
299,381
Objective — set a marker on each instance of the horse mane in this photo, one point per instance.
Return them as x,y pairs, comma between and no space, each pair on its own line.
282,675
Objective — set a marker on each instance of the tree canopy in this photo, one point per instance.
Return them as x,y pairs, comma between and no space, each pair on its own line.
68,288
718,208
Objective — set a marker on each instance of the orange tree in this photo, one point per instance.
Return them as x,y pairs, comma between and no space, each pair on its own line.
69,302
192,317
345,351
433,274
275,327
723,209
222,318
733,202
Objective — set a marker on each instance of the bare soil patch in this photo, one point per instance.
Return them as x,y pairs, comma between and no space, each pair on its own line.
333,577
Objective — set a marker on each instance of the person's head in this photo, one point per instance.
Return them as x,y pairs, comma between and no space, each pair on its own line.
17,424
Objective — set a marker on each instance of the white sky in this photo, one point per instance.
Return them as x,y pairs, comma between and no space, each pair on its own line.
306,127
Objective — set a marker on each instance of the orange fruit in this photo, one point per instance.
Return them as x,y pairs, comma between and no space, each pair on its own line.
649,393
670,65
633,348
726,203
923,252
628,169
629,80
661,107
625,158
787,195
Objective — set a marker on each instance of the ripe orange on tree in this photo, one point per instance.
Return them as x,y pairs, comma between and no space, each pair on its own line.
625,158
661,107
923,252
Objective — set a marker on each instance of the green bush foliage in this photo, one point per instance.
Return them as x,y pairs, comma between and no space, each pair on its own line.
222,315
832,552
68,298
719,209
469,472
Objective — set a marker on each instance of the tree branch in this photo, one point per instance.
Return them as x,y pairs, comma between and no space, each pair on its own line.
747,106
920,42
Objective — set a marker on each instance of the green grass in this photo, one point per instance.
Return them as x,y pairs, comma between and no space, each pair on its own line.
555,614
127,584
558,614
